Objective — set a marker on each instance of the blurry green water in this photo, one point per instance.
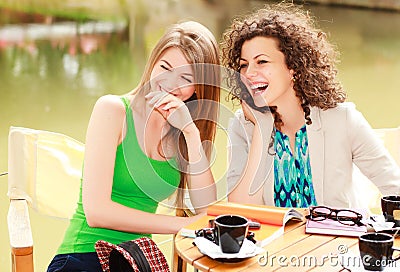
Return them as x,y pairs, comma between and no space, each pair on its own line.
53,85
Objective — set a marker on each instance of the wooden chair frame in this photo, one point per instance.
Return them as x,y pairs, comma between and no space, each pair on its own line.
26,169
33,157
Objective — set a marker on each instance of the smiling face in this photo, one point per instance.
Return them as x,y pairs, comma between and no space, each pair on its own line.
172,73
264,72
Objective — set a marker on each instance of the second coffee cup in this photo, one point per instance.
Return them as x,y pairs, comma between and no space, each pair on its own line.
230,232
391,208
376,251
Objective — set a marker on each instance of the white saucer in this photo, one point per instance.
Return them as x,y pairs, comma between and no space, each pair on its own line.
248,249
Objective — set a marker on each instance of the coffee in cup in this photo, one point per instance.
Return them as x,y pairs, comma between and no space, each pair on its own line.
391,208
230,232
376,251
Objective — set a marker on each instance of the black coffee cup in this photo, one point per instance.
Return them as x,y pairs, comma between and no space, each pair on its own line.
391,208
230,232
376,250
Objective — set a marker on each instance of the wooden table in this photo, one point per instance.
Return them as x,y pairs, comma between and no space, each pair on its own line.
293,251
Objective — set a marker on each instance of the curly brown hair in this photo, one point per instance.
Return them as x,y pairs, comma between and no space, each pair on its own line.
305,47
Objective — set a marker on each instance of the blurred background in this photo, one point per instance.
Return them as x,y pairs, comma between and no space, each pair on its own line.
58,57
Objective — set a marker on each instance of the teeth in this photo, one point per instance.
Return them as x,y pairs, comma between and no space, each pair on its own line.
259,85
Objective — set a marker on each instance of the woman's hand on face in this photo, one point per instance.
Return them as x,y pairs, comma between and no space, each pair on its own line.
251,114
172,109
248,115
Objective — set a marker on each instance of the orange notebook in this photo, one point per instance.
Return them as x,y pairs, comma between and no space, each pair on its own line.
272,219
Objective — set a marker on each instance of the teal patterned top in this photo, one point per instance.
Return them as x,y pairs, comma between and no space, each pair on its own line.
293,180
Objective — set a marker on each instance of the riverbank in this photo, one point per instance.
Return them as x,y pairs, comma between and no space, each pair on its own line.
389,5
72,9
123,10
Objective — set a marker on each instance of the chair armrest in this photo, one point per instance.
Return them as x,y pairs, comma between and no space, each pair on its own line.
19,226
20,233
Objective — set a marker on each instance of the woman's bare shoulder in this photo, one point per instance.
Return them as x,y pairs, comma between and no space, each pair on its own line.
110,104
110,100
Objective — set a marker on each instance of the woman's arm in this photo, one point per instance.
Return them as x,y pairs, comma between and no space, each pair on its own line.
370,155
246,173
238,151
103,136
201,185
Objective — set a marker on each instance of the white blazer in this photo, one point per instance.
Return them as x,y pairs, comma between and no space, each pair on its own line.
337,138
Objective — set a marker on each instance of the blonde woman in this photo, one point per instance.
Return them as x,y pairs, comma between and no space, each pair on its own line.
144,146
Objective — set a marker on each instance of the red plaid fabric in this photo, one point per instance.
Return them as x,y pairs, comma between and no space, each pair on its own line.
153,254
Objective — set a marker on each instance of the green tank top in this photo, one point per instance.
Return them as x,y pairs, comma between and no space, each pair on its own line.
139,182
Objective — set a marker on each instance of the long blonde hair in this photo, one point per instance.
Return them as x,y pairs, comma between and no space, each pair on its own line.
200,49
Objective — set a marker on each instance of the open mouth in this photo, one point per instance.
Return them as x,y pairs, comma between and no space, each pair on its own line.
259,88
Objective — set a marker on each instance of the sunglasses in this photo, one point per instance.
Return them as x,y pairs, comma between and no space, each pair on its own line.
343,216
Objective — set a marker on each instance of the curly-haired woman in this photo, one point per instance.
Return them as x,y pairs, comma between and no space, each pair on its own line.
297,132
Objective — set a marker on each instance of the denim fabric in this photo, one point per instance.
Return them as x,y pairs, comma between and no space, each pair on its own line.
75,262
